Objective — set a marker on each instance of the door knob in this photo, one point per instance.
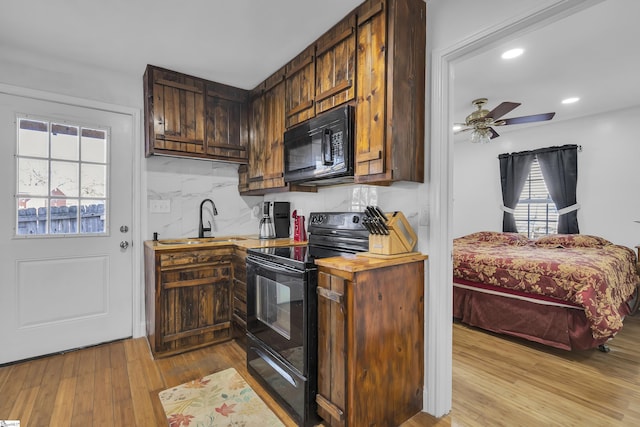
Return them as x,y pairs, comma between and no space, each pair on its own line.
124,244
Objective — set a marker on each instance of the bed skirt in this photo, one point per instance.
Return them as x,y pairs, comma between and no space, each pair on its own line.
553,323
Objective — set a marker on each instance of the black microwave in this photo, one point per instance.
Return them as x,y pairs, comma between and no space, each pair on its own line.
320,150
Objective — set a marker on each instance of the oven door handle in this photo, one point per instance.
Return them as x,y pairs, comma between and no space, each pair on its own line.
275,366
272,266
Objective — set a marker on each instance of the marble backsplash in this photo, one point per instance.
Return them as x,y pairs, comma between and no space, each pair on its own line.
183,184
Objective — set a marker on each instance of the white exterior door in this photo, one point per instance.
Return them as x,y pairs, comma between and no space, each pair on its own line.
66,283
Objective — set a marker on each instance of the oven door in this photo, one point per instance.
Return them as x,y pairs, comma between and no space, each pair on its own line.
291,389
278,312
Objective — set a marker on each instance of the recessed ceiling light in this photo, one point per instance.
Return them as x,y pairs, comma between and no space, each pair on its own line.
570,100
513,53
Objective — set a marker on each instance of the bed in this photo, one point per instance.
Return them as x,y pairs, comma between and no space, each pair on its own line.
566,291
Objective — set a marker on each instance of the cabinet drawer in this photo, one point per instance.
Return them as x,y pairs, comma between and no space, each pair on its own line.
240,309
240,290
240,271
188,258
195,276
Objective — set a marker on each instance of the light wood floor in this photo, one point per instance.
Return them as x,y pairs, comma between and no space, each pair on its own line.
496,381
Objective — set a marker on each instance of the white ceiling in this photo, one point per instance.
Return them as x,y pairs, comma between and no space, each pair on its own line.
593,54
237,42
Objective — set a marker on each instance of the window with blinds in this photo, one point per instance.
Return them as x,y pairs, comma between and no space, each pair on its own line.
536,214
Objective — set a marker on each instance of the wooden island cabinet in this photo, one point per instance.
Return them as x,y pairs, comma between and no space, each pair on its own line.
370,340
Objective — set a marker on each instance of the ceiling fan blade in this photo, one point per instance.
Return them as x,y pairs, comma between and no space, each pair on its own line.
494,134
502,109
462,130
529,119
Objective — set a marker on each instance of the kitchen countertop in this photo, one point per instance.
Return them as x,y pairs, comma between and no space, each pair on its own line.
366,261
246,242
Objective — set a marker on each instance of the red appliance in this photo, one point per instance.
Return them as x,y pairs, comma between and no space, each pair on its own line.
299,232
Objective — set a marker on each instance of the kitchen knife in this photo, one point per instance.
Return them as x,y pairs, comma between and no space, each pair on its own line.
366,222
382,227
381,219
369,215
369,211
382,215
374,227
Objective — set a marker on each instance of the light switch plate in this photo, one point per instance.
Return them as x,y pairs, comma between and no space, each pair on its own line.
160,206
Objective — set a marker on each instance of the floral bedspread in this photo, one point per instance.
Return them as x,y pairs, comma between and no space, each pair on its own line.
586,270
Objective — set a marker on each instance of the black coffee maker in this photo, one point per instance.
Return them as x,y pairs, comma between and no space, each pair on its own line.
281,219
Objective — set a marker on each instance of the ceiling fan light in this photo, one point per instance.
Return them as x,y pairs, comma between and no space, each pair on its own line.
512,53
480,136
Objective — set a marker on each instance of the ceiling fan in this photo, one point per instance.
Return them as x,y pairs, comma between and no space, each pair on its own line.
481,121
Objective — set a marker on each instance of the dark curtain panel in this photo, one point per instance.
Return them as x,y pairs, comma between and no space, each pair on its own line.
514,169
559,166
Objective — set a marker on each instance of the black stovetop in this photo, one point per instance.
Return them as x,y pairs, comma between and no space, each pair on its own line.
330,234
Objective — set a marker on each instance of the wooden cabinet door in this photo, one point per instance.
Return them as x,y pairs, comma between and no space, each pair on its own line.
265,170
196,303
193,300
274,100
335,65
227,133
175,113
390,91
370,146
332,349
257,124
300,87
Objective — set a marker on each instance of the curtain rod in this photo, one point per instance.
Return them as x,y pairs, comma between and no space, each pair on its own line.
543,150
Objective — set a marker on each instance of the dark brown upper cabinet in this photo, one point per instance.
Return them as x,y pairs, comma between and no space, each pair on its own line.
265,170
390,91
227,130
335,65
174,104
300,87
191,117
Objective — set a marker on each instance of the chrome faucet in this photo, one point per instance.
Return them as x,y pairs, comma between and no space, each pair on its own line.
201,227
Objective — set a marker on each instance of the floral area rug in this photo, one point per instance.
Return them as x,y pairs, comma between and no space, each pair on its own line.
222,399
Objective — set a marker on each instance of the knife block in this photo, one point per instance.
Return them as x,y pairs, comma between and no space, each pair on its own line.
401,238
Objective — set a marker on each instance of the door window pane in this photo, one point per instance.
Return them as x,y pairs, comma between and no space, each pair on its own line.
64,179
33,177
94,146
62,175
65,143
33,140
94,180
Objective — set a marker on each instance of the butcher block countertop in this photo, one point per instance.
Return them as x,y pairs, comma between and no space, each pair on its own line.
246,242
367,261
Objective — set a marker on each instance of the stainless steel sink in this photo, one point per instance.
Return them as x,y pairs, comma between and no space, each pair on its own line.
199,241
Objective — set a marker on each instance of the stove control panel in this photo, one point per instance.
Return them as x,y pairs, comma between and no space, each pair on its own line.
336,220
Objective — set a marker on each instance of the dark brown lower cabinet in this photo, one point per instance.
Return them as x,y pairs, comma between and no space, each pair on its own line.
239,318
188,298
370,344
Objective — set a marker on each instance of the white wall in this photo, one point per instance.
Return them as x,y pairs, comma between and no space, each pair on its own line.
607,167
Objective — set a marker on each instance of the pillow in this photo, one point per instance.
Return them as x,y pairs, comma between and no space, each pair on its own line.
515,239
572,241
